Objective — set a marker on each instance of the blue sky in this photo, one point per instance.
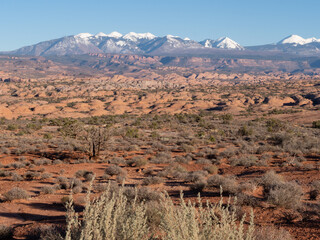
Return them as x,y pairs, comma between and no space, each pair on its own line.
249,22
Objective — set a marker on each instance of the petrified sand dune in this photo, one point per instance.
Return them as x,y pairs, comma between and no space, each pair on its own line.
5,112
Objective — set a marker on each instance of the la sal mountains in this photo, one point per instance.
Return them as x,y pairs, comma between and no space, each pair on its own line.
147,43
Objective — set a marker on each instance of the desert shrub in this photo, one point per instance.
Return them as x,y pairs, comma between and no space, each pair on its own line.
113,170
269,180
313,194
29,176
57,161
17,165
226,118
16,193
77,189
4,173
111,216
229,184
148,172
245,131
5,150
137,161
132,132
16,177
47,189
45,232
203,161
272,233
246,161
315,190
247,200
66,200
152,180
173,171
75,182
117,160
182,159
212,169
121,178
198,185
248,186
162,157
63,182
146,194
79,173
229,152
12,127
6,232
187,148
46,175
316,185
159,146
316,124
88,176
274,125
196,176
286,195
101,187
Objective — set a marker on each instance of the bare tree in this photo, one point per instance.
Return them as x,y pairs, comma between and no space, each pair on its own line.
96,138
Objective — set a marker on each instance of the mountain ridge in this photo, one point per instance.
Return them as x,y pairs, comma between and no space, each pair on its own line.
147,43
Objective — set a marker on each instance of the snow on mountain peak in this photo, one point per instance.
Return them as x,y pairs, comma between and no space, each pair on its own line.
227,43
84,35
171,36
297,40
136,36
114,35
101,34
292,39
187,39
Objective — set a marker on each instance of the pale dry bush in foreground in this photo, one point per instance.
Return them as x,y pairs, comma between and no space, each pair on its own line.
113,216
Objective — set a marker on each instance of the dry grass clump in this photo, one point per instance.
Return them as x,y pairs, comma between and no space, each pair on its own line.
113,217
16,193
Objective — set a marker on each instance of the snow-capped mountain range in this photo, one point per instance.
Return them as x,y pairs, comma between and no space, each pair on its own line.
115,42
147,43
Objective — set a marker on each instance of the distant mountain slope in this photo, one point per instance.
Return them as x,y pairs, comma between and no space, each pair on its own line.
147,43
131,43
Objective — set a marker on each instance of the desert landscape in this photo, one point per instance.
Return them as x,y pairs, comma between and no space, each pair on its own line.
249,138
160,120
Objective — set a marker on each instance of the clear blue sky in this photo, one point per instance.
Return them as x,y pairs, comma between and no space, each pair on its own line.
249,22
